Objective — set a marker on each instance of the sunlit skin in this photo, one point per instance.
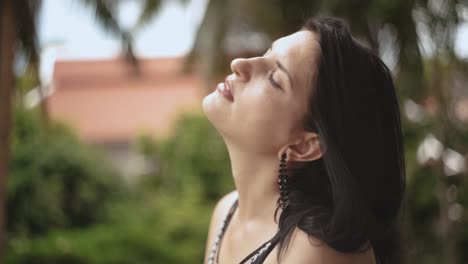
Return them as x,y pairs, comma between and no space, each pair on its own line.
271,94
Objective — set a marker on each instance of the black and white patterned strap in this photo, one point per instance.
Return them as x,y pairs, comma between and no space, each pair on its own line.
257,256
219,235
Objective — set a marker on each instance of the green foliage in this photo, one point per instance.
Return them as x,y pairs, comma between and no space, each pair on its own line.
195,156
148,228
54,180
431,195
164,220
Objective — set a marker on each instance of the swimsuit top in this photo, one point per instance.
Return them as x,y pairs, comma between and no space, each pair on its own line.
256,257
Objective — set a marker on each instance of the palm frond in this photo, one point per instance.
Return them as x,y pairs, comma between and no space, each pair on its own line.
149,11
105,15
28,11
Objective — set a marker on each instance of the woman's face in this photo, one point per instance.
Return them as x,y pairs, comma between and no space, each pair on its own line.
270,92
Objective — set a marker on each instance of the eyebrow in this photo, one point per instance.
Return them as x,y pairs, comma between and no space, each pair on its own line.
281,66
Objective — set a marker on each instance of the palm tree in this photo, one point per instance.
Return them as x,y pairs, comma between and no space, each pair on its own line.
12,31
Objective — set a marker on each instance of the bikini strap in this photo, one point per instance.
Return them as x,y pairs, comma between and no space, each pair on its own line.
220,234
224,225
259,255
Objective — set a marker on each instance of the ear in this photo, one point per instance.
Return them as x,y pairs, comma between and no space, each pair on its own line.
306,148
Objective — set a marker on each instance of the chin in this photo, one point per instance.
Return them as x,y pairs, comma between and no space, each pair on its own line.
214,110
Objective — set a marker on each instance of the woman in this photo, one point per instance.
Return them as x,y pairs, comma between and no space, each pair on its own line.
313,133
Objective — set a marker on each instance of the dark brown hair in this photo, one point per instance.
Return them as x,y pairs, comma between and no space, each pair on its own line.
350,198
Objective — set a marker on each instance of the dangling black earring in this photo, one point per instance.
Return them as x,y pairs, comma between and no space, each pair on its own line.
282,181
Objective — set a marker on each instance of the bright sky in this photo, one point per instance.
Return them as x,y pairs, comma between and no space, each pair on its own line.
70,29
461,46
67,30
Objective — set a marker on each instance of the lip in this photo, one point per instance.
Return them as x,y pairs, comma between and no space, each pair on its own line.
228,84
226,91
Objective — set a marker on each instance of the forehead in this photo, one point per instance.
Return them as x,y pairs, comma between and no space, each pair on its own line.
298,54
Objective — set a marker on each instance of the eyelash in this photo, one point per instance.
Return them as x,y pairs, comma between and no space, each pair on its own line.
270,75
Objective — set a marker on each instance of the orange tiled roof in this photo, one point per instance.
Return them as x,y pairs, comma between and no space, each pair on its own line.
105,102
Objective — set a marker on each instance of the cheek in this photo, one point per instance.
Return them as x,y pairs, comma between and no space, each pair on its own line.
264,118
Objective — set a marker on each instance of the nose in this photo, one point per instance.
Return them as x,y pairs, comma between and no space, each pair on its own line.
241,68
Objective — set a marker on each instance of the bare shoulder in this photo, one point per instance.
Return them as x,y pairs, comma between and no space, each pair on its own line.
304,249
219,212
223,205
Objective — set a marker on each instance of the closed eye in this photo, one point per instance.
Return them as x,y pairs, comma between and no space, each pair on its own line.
270,75
272,81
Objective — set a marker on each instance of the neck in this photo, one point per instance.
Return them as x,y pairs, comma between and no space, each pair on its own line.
256,179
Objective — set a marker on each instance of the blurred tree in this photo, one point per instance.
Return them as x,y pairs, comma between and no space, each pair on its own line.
13,32
164,220
194,157
5,78
51,186
18,34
